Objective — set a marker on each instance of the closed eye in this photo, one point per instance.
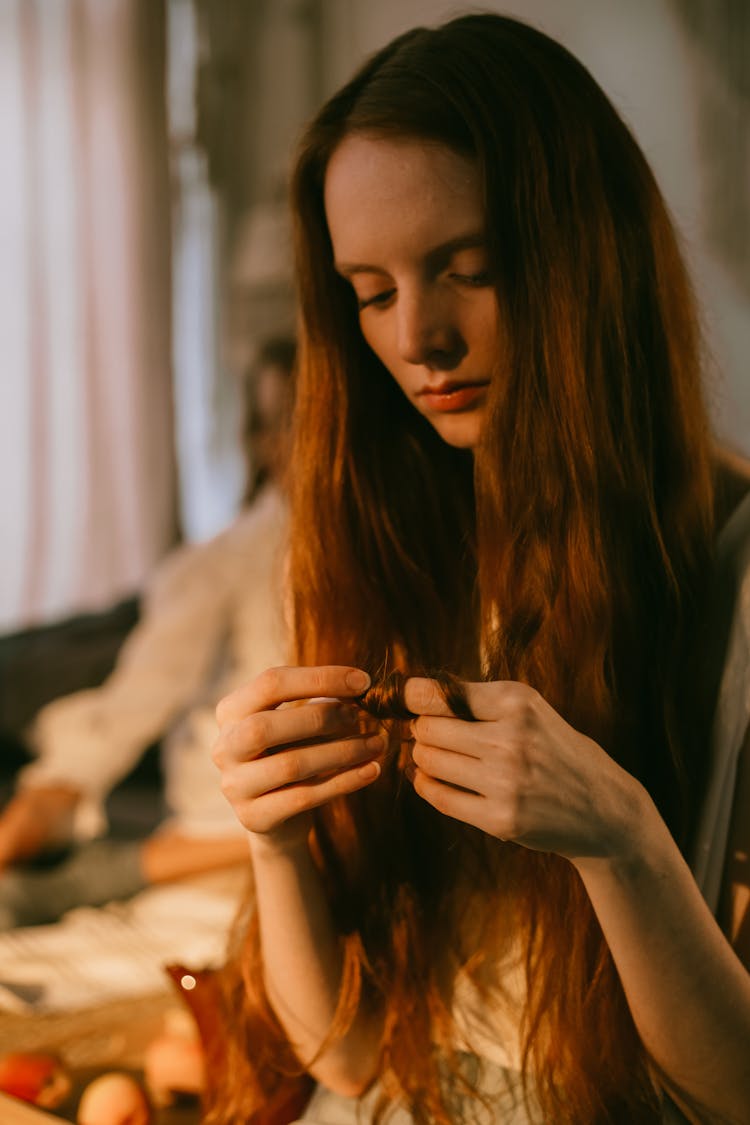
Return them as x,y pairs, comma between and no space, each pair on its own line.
378,300
474,279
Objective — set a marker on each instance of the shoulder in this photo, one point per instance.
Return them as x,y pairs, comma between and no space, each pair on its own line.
259,524
724,646
731,577
731,567
267,513
726,637
732,475
185,567
260,527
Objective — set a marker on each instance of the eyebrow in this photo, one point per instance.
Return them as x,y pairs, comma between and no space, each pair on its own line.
437,254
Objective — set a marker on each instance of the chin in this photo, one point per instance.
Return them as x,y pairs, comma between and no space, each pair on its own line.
459,430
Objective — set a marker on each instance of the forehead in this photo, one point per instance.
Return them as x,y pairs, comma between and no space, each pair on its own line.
375,185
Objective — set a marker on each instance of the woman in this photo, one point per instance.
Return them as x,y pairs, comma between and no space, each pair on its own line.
502,444
211,618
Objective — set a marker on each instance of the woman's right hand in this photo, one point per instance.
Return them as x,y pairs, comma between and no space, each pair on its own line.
278,763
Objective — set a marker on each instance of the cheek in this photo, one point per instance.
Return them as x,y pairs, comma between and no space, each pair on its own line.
378,336
373,334
488,330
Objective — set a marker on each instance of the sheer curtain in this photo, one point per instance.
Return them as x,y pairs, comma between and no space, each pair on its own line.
86,451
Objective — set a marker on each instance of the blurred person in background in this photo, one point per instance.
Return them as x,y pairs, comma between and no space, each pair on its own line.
211,617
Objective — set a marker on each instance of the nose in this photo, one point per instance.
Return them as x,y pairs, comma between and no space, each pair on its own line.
427,334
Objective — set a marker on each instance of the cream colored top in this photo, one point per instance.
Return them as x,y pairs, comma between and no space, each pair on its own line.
731,726
212,619
493,1034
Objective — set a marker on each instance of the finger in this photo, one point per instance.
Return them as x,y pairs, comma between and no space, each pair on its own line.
469,807
284,685
265,813
448,767
272,730
457,803
448,733
499,699
424,697
490,700
290,767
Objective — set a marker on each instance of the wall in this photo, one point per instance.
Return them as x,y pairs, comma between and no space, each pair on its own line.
87,496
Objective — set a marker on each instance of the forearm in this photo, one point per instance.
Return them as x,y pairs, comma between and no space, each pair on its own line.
688,992
303,967
166,856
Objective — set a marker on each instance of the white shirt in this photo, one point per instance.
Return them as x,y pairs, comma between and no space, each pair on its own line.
212,619
731,725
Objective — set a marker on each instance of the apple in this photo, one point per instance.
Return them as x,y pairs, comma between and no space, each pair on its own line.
113,1098
174,1066
34,1077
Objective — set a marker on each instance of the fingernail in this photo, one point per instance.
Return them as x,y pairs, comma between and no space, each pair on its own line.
369,771
375,742
357,680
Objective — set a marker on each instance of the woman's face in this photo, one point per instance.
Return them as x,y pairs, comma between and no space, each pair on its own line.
272,408
406,221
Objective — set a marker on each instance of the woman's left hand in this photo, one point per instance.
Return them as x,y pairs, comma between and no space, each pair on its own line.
522,773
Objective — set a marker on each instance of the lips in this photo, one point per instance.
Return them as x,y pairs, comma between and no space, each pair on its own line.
451,396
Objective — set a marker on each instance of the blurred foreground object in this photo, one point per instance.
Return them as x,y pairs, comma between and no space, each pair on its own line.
174,1062
35,1077
113,1099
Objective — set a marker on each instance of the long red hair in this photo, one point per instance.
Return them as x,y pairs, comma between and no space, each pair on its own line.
571,552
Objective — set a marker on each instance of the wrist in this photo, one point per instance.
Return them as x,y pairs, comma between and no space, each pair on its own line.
286,844
635,844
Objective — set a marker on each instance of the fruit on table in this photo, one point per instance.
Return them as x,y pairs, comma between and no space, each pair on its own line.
113,1098
174,1065
35,1077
